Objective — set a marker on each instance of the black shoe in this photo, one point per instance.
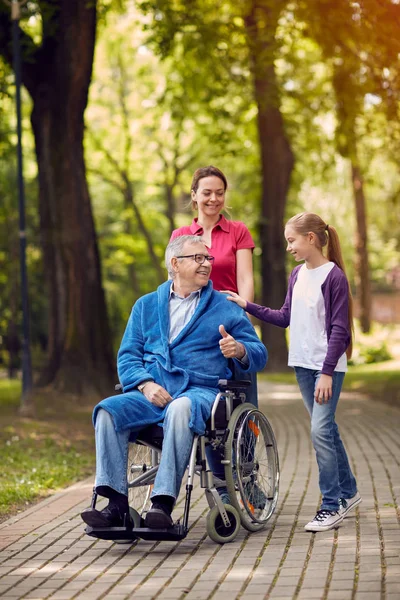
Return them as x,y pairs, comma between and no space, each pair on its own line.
158,517
108,517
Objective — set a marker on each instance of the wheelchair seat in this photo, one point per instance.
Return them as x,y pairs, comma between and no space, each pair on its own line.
153,435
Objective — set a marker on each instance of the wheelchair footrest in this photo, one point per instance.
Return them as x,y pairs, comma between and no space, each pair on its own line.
111,533
172,534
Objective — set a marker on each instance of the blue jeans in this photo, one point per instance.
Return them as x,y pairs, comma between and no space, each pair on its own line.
112,451
336,479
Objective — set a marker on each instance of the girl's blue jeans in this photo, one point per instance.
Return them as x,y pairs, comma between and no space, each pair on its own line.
336,479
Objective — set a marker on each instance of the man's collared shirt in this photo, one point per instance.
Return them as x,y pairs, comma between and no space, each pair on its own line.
181,311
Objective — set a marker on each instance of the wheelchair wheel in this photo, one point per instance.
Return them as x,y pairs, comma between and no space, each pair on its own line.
217,530
139,461
137,522
252,468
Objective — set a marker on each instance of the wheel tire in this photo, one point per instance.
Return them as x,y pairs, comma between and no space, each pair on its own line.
216,529
264,470
137,520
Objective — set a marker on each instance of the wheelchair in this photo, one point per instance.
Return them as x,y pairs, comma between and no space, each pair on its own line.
245,440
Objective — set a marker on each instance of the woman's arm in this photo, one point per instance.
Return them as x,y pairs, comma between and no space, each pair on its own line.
244,274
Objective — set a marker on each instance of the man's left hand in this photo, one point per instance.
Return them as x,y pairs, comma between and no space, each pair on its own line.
229,347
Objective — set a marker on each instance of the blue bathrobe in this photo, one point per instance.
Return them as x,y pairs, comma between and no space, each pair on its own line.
190,365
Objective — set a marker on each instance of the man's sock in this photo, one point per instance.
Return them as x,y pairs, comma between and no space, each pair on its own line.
163,501
120,501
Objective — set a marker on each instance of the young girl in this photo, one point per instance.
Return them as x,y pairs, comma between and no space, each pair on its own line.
318,308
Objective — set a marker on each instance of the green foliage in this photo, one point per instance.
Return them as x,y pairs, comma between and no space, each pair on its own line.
172,90
367,355
10,391
379,345
149,128
376,355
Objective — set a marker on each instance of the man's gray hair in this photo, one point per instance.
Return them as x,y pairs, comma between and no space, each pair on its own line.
175,248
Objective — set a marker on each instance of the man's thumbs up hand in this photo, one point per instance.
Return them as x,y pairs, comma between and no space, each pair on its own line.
229,347
223,332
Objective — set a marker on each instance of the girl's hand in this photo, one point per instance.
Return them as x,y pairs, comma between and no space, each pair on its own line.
323,390
233,297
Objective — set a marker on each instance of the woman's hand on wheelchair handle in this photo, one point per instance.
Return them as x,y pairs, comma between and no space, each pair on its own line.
156,394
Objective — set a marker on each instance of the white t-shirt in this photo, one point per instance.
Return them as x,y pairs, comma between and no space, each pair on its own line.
308,339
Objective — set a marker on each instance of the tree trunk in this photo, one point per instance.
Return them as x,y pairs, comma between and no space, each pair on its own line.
12,341
348,107
362,276
129,200
170,205
80,350
132,274
276,165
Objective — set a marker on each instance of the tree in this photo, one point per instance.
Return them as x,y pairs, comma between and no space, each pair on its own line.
261,21
348,110
57,73
356,41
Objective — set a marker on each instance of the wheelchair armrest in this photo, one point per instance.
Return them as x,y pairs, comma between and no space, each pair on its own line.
231,384
223,384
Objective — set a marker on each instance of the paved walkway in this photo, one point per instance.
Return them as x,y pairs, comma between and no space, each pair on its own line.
44,552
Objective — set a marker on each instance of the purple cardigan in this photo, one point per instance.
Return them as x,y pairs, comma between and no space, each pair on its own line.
335,291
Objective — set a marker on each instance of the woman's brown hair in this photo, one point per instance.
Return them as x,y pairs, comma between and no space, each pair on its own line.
327,235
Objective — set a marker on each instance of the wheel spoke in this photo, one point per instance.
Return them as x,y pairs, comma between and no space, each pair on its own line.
253,472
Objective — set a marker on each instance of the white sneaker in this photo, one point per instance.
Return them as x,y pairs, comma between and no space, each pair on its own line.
324,520
345,506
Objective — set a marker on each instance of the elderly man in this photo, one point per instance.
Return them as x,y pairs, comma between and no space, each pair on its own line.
174,350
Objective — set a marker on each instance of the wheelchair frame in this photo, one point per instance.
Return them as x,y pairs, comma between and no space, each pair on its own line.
223,520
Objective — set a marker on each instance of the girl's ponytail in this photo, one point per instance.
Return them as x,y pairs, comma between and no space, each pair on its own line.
334,254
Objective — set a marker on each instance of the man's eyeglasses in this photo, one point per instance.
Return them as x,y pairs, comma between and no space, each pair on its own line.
199,258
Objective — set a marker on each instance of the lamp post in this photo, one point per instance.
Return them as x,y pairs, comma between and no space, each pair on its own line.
26,404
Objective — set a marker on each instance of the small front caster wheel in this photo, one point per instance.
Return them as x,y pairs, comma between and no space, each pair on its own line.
137,522
217,530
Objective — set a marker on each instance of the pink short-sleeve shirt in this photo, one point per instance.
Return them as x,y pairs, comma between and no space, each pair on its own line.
227,237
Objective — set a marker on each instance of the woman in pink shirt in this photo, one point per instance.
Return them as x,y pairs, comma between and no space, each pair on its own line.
230,242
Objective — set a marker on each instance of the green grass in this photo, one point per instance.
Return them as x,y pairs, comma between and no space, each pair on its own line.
36,465
380,381
40,455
